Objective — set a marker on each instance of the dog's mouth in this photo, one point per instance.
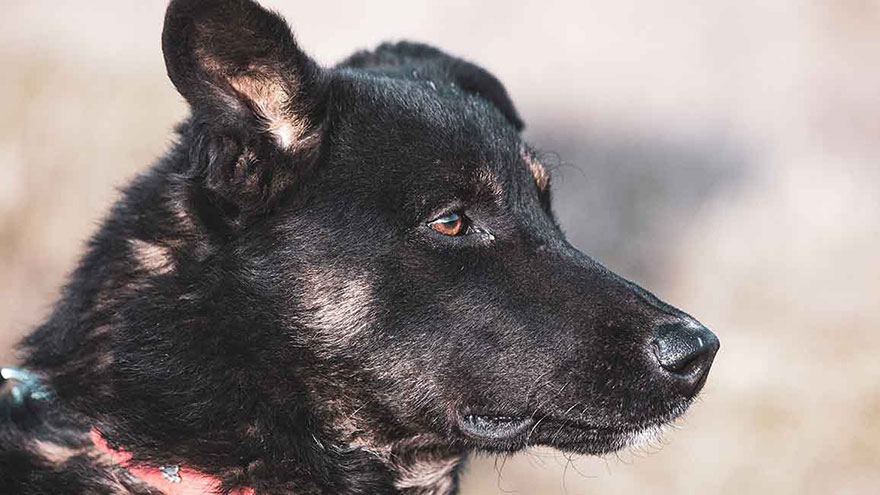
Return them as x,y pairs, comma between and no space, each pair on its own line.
508,432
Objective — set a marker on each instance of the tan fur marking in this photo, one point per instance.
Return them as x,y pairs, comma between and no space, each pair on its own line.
431,476
104,361
54,453
187,226
417,466
542,177
115,478
267,90
485,176
100,330
271,97
338,306
420,463
152,258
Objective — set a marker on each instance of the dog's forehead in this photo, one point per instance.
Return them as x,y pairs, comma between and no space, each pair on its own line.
427,124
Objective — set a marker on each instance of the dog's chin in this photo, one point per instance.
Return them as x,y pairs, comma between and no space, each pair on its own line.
508,433
597,441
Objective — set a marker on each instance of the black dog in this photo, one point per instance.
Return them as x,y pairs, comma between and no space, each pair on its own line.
338,281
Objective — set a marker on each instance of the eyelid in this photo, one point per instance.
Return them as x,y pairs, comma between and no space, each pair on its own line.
450,217
452,224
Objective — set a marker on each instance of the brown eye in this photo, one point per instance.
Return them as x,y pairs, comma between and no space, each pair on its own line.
450,224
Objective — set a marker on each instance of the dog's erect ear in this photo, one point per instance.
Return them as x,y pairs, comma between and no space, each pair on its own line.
238,64
258,101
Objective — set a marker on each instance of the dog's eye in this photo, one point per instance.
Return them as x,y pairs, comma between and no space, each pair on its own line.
451,224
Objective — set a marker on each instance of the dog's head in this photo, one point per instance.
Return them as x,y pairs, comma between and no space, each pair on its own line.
390,217
373,246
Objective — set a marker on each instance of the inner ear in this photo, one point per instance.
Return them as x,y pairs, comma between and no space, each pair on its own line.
268,96
239,65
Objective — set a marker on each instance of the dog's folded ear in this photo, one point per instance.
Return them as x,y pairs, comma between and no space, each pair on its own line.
433,62
477,80
248,83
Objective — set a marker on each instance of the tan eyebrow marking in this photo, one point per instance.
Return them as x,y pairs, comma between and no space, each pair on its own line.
488,179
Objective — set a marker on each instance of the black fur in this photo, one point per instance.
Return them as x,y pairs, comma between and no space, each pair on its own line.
269,304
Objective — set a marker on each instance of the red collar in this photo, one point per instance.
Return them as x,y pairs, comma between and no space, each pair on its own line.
171,481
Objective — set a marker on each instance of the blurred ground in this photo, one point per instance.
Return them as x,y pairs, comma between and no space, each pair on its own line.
723,153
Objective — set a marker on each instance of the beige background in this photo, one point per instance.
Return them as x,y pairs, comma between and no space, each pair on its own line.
723,153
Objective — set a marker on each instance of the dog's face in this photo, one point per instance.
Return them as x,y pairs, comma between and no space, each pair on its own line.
389,221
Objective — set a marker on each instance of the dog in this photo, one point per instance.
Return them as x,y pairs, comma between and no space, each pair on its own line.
338,281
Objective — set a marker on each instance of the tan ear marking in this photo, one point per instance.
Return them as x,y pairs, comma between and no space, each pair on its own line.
542,177
270,98
266,90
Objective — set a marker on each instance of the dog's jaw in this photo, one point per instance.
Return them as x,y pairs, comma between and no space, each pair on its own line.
423,464
429,476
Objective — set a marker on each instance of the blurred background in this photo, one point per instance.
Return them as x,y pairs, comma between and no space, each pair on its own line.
725,154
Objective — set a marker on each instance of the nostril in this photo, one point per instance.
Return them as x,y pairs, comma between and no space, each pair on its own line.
679,345
686,351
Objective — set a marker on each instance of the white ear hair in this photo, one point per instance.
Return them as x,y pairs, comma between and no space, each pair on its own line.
270,98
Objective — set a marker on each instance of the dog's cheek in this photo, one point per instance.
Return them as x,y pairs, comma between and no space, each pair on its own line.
336,308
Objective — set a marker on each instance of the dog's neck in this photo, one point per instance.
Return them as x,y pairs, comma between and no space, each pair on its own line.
424,473
346,461
340,460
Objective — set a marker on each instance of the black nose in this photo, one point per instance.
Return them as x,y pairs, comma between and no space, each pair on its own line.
686,351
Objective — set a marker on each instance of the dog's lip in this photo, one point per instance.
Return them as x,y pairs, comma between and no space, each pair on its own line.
507,431
598,431
569,434
495,426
